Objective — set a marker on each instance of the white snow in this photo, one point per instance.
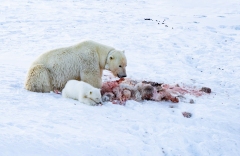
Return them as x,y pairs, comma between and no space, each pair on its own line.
200,46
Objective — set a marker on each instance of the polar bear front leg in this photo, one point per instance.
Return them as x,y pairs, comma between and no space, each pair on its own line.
87,101
93,78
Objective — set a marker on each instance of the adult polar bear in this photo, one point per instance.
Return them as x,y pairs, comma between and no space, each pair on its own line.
84,61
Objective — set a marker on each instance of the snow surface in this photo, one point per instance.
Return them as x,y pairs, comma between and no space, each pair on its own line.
198,45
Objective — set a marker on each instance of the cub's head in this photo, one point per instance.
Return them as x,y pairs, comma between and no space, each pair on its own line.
116,62
95,96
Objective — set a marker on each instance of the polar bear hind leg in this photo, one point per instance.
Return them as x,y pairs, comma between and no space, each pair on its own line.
38,79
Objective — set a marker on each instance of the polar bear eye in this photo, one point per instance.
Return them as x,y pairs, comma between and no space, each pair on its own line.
120,66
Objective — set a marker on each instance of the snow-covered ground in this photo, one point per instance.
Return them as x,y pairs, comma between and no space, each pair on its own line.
198,45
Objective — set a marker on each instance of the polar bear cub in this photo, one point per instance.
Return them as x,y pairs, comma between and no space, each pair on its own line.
83,92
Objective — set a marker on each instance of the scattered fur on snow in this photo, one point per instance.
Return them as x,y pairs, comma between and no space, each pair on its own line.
187,114
119,91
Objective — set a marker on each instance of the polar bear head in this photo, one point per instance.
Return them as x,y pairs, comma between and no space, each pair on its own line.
94,95
116,62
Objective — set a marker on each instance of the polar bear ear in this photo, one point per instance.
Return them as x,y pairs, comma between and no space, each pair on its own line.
123,51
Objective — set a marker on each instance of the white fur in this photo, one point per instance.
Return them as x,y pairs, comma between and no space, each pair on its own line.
83,92
84,61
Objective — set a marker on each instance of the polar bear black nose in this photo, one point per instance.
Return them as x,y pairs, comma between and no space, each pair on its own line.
120,76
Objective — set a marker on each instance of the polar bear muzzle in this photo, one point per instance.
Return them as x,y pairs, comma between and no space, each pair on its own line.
121,75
